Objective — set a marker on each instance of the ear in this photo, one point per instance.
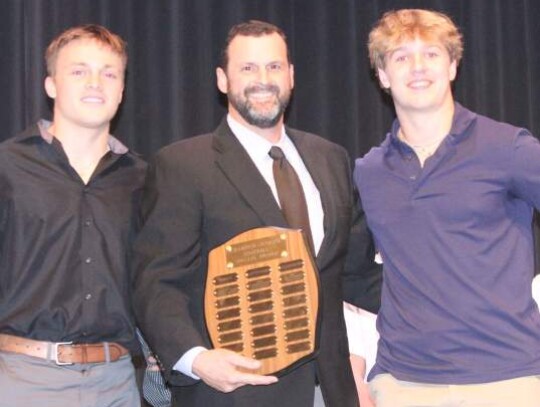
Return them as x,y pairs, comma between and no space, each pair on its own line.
222,81
383,78
291,75
50,87
452,70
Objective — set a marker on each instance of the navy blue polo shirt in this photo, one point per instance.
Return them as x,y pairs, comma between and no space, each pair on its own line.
457,245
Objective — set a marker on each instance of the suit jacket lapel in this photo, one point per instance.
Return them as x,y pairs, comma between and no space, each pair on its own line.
237,166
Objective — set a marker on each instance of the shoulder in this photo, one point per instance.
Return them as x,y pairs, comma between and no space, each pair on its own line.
369,169
29,133
493,128
375,155
20,145
495,142
316,142
184,161
136,161
187,150
7,146
488,131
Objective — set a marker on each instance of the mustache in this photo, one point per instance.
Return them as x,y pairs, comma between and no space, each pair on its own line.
262,88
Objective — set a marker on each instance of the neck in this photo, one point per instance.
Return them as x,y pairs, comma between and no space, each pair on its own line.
83,147
80,139
426,127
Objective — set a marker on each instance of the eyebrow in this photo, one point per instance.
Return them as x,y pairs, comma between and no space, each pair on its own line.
276,61
426,45
84,64
404,48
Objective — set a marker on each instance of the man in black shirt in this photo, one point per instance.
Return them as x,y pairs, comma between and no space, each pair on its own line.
68,194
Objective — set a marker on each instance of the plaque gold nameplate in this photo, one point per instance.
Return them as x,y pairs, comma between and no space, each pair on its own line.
262,298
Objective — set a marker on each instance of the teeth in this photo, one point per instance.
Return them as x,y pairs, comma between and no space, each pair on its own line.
91,99
419,84
266,98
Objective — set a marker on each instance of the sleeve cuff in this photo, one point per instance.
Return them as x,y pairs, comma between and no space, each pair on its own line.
185,363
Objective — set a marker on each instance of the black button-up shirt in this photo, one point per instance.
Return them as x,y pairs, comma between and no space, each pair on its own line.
64,244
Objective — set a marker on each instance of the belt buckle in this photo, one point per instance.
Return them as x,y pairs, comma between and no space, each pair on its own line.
55,349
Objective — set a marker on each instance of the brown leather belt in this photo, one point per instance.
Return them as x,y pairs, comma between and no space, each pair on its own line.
63,353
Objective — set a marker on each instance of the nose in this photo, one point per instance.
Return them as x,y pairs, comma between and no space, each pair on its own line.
263,76
93,81
418,62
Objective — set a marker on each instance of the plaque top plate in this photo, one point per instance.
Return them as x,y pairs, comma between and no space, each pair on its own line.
257,250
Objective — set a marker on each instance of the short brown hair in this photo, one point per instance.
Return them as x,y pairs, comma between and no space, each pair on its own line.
251,28
397,25
89,31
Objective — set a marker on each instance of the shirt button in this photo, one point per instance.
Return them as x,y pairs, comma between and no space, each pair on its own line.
88,260
412,177
88,297
87,222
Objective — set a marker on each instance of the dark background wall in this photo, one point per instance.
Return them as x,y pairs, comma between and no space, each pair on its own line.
174,47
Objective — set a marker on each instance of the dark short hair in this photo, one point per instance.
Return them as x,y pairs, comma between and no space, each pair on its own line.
88,31
251,28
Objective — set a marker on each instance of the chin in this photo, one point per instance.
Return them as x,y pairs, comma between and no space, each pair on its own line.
94,124
420,104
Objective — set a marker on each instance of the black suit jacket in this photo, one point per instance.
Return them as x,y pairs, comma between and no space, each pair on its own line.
203,191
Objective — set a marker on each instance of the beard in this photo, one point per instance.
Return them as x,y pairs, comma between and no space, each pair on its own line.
260,116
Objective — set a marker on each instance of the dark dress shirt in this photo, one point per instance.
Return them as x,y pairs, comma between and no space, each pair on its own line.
63,243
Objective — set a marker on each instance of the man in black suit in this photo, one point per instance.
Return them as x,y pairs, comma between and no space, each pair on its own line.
203,191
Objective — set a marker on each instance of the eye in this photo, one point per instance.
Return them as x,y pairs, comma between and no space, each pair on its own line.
249,68
400,58
274,67
78,72
110,75
432,54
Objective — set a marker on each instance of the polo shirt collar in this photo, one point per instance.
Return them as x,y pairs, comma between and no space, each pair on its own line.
462,120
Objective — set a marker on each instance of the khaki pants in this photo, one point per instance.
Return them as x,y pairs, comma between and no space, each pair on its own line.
26,381
390,392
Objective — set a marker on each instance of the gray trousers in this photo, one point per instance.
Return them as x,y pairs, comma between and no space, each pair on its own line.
28,381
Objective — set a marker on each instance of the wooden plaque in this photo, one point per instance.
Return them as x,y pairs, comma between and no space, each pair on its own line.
262,298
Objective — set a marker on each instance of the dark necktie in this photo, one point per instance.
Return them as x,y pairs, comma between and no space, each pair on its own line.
291,195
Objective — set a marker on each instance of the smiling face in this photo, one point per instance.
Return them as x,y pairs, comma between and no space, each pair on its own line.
86,85
418,73
258,80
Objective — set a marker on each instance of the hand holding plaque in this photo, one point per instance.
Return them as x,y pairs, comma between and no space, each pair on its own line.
262,298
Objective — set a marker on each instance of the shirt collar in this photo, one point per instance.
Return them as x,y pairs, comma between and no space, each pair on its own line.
256,146
462,120
115,145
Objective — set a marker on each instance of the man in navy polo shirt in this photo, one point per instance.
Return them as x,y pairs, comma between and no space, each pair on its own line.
449,197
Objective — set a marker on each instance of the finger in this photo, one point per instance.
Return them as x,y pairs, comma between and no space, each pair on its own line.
243,362
255,379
